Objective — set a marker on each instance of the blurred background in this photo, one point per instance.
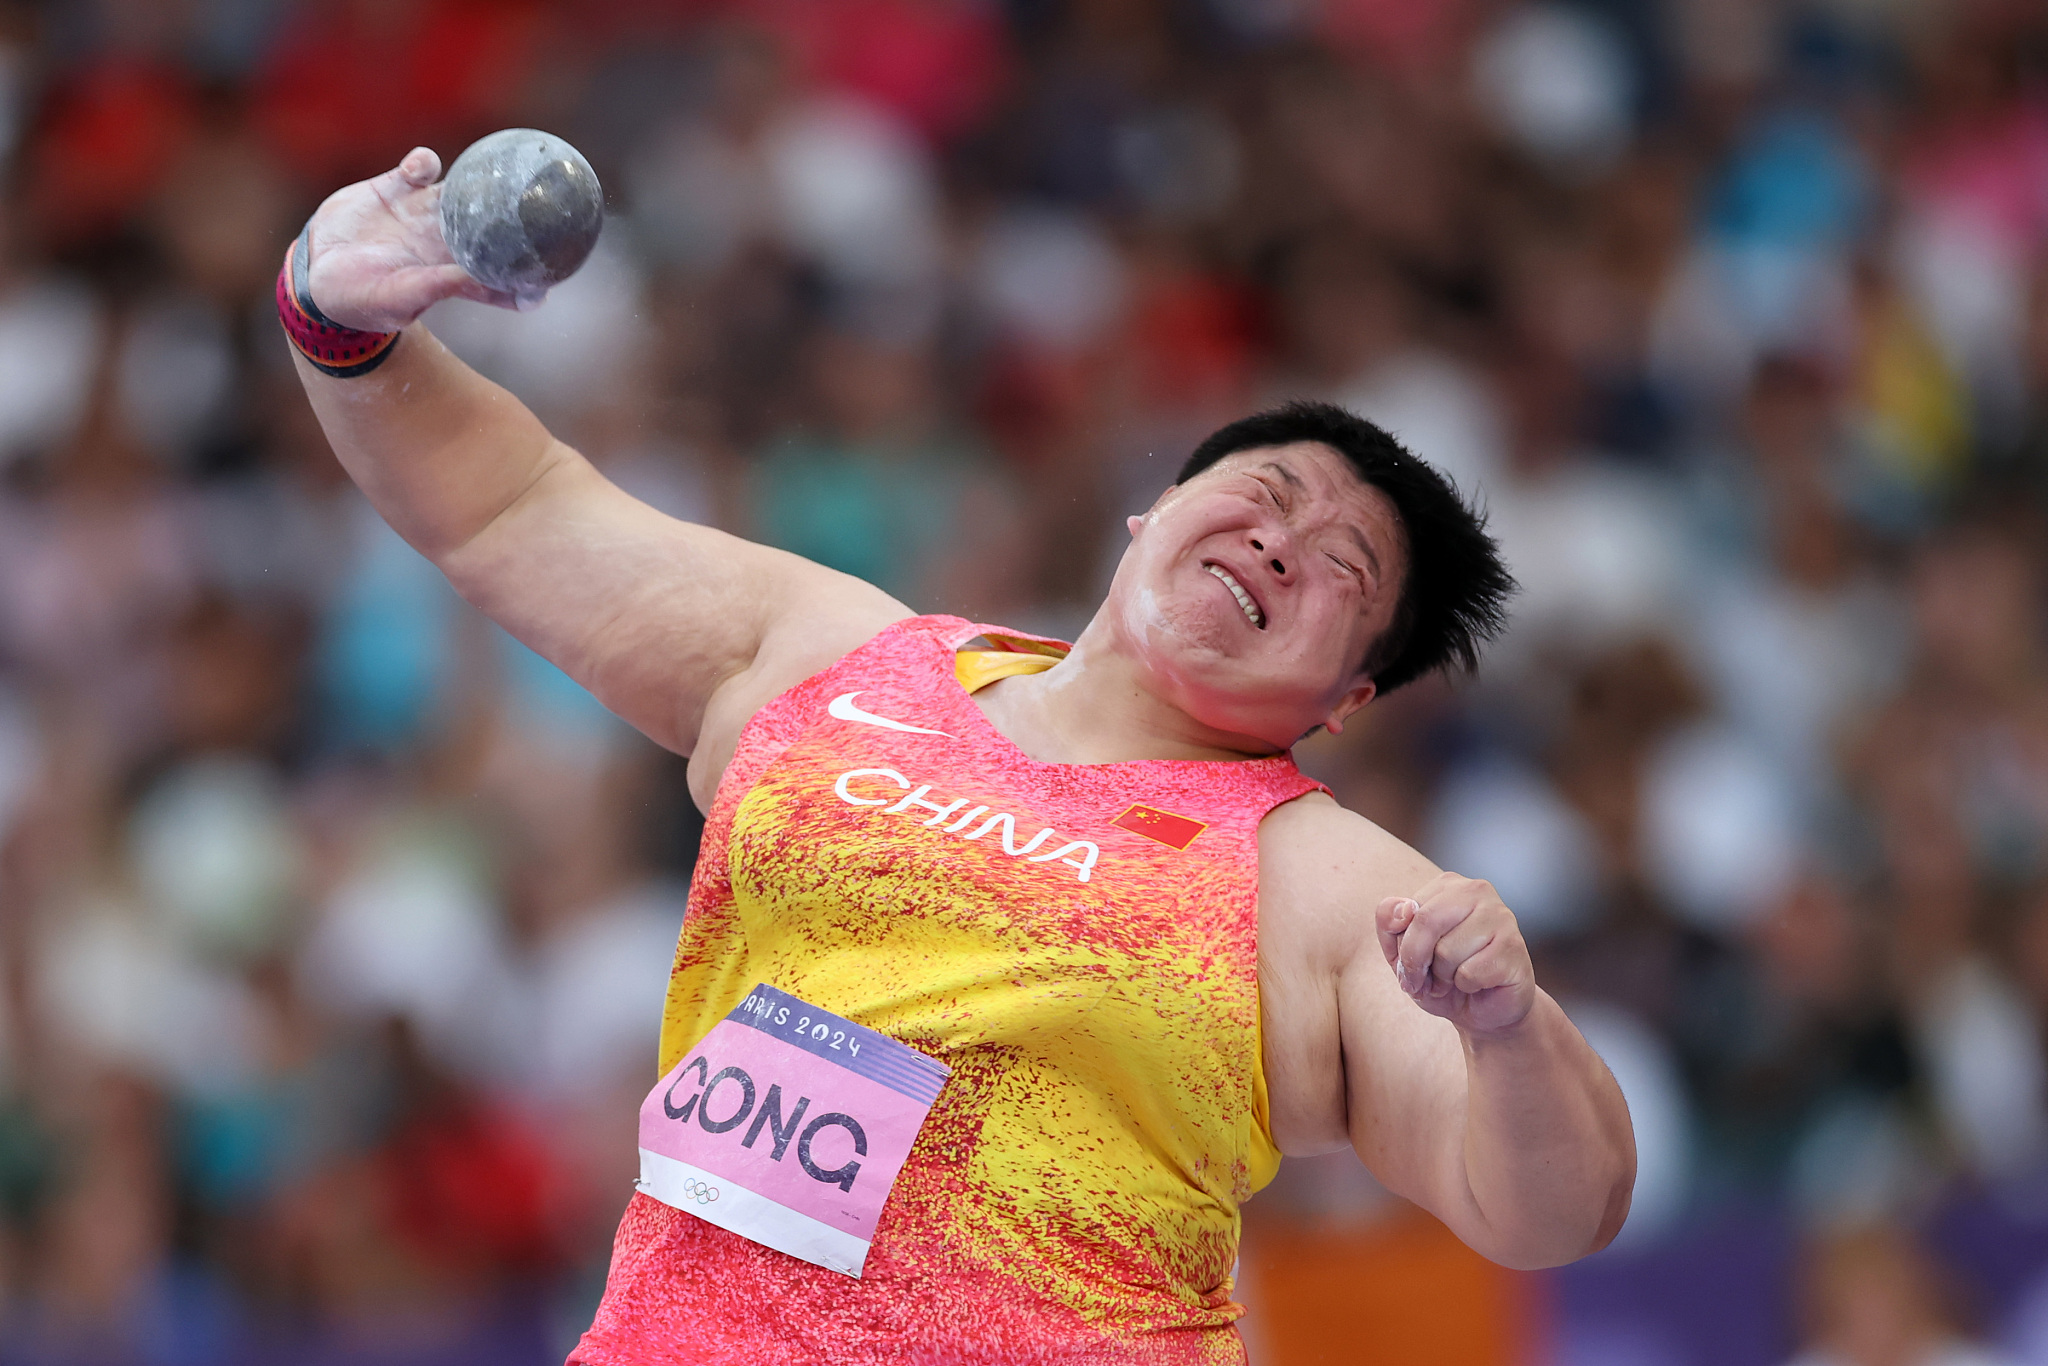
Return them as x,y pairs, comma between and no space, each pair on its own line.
334,925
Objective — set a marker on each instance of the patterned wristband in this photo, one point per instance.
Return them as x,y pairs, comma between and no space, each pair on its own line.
327,346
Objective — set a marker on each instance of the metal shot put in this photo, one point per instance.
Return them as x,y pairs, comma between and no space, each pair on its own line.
520,210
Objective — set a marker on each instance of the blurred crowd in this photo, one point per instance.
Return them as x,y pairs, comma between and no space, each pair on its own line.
334,923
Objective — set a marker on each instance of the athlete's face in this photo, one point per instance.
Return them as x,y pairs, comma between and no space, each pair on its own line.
1318,556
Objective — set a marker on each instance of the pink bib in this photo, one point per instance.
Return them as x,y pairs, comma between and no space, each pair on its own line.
787,1125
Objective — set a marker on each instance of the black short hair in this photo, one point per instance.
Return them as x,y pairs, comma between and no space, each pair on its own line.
1454,593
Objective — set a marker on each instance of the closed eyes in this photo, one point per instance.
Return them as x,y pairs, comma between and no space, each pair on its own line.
1279,503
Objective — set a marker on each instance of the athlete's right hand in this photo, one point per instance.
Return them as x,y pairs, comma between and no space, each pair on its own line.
378,259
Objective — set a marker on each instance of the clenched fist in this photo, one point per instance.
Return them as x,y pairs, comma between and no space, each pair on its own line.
378,259
1456,950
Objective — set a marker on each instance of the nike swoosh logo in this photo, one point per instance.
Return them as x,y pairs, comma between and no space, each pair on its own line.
843,708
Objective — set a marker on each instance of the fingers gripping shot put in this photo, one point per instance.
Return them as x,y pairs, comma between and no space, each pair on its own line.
1012,967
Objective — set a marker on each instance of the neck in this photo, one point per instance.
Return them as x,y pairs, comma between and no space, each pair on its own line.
1095,707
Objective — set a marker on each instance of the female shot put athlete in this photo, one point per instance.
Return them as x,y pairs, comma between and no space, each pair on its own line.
1088,881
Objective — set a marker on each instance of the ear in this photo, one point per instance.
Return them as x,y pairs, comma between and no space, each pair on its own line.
1132,523
1348,704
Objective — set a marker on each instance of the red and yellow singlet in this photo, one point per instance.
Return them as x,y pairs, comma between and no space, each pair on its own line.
1078,943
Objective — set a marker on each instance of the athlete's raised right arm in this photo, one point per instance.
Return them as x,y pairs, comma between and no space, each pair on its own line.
683,630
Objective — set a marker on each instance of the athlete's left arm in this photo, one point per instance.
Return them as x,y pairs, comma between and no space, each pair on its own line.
1402,1015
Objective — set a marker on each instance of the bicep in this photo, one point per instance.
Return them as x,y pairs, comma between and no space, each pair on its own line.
1404,1082
1372,1067
656,617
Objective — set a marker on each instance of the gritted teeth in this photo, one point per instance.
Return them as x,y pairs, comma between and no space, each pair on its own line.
1244,599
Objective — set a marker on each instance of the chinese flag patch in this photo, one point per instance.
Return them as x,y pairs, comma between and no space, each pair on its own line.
1176,832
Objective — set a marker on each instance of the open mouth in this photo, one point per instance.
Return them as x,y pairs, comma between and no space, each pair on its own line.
1237,590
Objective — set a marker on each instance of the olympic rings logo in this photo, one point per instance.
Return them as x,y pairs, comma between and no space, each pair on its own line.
699,1191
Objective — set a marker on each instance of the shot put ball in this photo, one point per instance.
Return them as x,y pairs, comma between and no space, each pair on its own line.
520,210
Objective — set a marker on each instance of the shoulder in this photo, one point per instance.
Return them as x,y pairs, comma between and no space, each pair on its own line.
1319,859
811,632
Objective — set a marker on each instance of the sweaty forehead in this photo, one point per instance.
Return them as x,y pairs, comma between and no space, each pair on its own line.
1325,477
1309,463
